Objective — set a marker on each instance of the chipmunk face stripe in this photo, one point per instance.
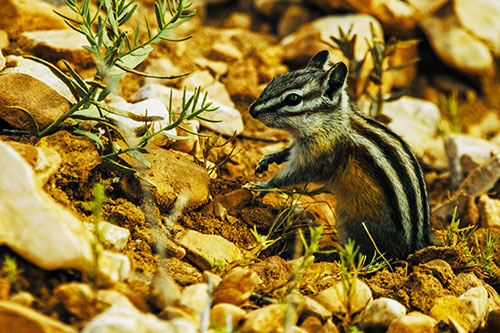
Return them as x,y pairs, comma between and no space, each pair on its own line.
424,221
397,162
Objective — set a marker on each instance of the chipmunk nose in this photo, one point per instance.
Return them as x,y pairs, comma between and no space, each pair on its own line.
252,110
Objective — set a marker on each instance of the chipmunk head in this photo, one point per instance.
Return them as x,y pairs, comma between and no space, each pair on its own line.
302,100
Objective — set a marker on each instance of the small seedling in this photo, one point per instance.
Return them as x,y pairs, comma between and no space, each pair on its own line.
12,272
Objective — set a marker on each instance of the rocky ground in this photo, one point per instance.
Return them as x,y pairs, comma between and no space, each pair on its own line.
177,242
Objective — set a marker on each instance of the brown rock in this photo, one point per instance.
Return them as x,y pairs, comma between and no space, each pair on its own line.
57,44
176,177
42,102
21,319
293,17
242,80
236,287
233,200
448,307
182,272
77,298
28,15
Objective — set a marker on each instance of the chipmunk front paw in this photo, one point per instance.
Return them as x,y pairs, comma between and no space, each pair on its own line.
263,164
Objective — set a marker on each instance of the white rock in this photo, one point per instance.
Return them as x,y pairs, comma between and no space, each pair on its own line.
161,67
150,107
65,43
413,322
456,47
40,72
123,317
226,50
489,209
381,313
230,118
113,235
34,225
112,267
198,79
195,297
335,299
474,304
426,7
207,250
224,315
2,60
477,150
268,319
412,118
480,17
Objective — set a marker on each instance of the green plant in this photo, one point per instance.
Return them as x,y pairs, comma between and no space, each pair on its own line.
455,235
11,272
380,52
484,259
117,51
450,106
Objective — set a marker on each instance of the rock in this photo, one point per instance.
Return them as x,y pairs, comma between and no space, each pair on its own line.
447,308
53,45
38,71
163,290
271,7
236,287
490,211
2,58
21,319
226,51
42,102
312,324
111,268
238,20
123,317
209,277
198,79
455,46
425,8
242,80
227,316
269,319
335,298
78,299
380,313
393,14
206,251
478,17
474,306
44,161
230,118
416,120
231,202
216,68
487,127
196,297
413,322
293,17
191,143
56,238
478,151
190,190
161,67
23,298
28,15
181,271
134,126
113,235
309,306
493,322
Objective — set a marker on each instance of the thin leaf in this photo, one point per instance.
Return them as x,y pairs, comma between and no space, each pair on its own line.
133,71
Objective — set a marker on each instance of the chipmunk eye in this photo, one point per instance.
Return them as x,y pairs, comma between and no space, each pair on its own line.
292,99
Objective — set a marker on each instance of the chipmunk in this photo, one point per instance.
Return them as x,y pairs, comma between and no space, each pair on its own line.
371,170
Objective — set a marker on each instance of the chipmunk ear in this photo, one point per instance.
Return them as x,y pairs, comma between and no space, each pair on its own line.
335,79
319,60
